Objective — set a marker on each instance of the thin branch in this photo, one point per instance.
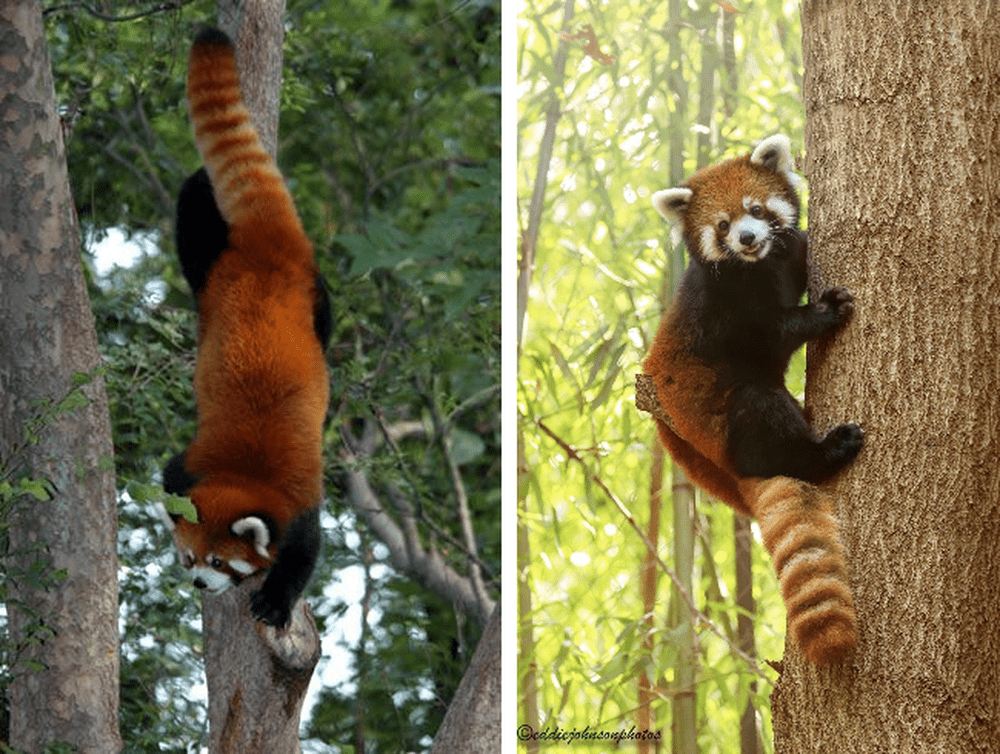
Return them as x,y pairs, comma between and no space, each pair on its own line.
573,455
462,500
159,8
392,433
406,552
483,396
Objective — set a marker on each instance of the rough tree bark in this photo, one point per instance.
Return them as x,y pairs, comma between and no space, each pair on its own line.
472,723
902,102
46,335
257,30
257,676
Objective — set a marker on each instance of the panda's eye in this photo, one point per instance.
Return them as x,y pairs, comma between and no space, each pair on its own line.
215,562
757,211
723,226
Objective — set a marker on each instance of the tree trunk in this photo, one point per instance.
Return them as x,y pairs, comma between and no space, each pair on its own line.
472,723
257,676
743,539
902,138
257,30
46,336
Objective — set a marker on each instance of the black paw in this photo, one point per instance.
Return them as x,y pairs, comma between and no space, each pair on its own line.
844,442
272,609
839,301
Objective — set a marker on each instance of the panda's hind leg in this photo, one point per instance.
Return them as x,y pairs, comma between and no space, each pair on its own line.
769,436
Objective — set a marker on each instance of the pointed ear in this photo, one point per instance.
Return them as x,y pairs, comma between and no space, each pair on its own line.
774,153
255,526
673,203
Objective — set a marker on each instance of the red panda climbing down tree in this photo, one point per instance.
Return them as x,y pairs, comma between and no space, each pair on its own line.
718,365
254,470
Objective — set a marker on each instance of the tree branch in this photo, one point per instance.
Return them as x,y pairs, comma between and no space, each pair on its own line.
573,455
462,501
158,8
407,553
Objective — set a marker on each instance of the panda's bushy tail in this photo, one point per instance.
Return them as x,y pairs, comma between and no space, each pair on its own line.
800,532
246,182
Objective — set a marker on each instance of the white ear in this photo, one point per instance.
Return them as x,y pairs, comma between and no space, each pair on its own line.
256,526
775,153
673,203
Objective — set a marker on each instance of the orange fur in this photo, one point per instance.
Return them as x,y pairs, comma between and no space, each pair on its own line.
795,517
260,381
685,388
800,532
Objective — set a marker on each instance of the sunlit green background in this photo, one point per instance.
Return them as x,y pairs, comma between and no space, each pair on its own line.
596,292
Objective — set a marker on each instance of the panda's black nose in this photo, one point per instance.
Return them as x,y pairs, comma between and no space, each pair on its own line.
200,583
747,238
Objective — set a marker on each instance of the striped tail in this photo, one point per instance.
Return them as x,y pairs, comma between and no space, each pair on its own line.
799,530
247,183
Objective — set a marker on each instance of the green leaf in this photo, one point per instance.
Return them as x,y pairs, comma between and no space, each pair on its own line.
177,505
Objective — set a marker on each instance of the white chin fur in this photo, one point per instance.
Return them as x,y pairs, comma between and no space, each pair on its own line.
734,248
214,581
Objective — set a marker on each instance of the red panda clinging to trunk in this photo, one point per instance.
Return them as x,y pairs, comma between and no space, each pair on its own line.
718,365
254,470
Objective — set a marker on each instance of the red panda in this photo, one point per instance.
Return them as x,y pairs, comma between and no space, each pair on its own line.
718,365
254,470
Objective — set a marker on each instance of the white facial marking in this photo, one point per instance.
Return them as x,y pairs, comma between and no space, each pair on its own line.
213,580
241,566
709,250
750,238
782,208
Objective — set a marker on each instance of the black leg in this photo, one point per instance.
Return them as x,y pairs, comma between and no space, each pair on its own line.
176,479
288,576
768,436
201,233
322,313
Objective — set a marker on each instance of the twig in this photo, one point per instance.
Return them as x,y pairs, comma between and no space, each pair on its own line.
406,552
462,500
159,8
572,454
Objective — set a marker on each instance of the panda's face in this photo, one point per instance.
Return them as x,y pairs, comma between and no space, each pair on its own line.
220,556
732,210
746,231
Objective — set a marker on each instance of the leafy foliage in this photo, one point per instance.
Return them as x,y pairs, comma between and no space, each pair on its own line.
390,143
598,286
26,566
